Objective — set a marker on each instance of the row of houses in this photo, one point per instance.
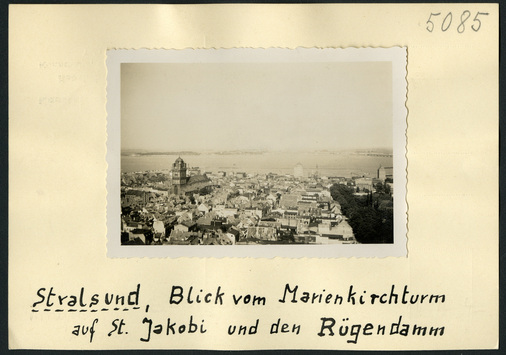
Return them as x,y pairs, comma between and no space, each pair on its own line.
240,209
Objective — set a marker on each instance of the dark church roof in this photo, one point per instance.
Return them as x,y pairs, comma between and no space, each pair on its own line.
135,192
197,179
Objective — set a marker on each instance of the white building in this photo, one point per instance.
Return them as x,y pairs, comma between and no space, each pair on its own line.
158,227
298,171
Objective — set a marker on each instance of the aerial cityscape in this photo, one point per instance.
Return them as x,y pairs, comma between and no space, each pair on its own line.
236,151
183,205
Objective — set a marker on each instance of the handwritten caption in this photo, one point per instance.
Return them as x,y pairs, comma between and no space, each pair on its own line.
146,328
445,21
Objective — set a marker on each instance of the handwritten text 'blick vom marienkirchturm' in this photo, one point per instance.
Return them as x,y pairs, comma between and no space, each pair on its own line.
338,322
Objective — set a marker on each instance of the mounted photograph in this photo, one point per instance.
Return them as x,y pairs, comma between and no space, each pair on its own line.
257,152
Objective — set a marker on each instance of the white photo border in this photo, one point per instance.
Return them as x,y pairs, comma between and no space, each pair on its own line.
396,55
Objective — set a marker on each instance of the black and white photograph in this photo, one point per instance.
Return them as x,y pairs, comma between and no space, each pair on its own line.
261,147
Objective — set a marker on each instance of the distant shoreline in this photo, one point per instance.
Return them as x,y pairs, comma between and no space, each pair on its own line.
367,152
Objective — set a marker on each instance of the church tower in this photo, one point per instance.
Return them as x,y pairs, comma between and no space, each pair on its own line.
178,175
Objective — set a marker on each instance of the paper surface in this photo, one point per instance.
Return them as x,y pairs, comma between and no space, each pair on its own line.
57,190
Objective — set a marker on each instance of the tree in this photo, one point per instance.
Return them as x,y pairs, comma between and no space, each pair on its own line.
126,210
371,223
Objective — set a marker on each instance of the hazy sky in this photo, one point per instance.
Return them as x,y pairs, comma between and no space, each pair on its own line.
272,106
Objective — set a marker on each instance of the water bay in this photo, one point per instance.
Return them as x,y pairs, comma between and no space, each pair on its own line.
327,163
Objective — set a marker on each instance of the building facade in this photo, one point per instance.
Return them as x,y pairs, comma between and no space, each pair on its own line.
298,171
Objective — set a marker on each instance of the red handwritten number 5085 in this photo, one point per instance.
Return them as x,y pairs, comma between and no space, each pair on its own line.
447,21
